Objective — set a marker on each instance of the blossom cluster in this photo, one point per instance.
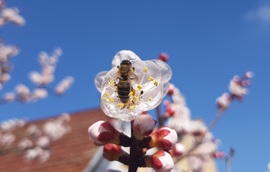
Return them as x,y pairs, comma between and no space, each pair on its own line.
10,15
6,129
129,89
237,90
195,142
6,52
41,80
37,143
151,146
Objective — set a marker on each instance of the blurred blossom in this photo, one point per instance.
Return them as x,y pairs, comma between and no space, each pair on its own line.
23,92
223,101
178,149
39,93
11,124
11,15
55,129
64,85
6,52
25,144
148,83
33,130
180,120
65,117
198,163
197,127
48,67
9,97
43,142
7,139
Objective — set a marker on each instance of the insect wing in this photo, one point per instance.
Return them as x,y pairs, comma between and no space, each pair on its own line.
110,80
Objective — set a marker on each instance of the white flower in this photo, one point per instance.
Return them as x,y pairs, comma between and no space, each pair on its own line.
64,85
25,144
12,15
148,85
9,97
39,93
23,92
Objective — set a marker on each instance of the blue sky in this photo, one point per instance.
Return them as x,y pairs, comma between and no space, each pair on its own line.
208,42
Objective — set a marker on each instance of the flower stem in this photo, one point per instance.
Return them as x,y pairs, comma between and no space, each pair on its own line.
133,165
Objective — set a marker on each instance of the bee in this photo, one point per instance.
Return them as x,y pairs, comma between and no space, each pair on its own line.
123,80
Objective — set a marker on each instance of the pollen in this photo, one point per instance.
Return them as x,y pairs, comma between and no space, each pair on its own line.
130,93
135,98
106,93
151,78
111,99
155,82
120,105
139,87
150,98
131,107
104,98
145,69
112,83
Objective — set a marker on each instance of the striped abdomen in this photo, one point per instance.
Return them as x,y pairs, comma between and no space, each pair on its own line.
123,90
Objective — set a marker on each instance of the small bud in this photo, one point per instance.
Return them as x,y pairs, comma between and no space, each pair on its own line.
164,138
112,152
143,125
102,132
219,154
178,149
163,57
161,161
223,101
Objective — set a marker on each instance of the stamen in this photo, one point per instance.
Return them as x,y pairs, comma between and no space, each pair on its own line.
111,99
150,98
130,93
104,98
145,69
112,83
131,107
135,98
120,105
139,87
155,82
106,93
150,78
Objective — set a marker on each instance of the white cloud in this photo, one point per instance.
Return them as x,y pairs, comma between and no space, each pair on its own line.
261,14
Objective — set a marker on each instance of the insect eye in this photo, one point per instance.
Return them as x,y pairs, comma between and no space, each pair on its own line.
125,62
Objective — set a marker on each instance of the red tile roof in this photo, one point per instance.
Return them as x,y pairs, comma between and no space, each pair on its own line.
71,153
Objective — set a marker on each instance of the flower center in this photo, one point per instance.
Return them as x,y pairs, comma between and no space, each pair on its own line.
136,93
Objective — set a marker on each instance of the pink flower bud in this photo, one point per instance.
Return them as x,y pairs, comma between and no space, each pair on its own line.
219,154
143,125
164,138
163,57
169,111
178,149
161,161
223,101
171,89
112,152
102,132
